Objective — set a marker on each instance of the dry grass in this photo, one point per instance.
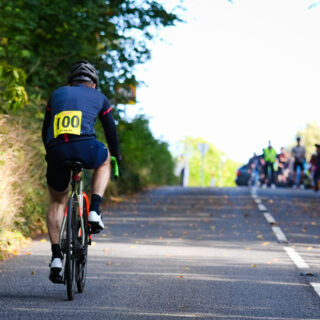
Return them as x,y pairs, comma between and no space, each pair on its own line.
21,176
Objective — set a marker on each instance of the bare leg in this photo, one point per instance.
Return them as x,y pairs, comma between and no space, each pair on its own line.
100,178
55,213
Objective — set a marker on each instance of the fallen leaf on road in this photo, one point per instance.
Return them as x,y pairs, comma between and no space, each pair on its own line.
33,273
213,228
132,247
266,243
260,236
187,269
179,276
116,199
28,253
253,266
43,240
108,263
309,248
248,248
106,250
93,243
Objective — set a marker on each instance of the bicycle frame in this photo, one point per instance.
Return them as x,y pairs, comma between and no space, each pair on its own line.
78,195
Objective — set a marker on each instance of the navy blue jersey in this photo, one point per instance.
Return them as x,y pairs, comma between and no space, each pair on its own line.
71,114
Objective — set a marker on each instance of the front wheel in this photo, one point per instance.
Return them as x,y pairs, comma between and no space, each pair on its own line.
70,250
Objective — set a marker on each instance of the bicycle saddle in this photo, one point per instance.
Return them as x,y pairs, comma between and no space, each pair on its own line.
73,165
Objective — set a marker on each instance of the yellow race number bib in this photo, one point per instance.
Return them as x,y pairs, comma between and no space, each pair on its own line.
67,122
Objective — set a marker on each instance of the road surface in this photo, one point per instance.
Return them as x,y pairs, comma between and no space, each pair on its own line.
185,253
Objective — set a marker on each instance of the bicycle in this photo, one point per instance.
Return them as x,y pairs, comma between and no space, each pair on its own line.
75,232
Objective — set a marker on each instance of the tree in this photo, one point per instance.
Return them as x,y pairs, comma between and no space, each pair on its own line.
310,136
44,37
215,164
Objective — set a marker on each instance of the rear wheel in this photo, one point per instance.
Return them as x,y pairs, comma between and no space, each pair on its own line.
70,249
81,264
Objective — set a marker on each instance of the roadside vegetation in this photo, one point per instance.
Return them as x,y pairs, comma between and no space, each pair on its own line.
39,41
218,170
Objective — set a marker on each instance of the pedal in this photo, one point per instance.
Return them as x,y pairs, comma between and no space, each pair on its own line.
56,277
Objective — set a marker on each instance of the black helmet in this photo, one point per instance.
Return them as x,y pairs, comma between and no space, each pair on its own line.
83,71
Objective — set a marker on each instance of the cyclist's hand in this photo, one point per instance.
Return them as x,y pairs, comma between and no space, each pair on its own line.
115,165
119,158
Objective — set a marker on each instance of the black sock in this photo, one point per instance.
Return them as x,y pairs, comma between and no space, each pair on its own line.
56,251
95,203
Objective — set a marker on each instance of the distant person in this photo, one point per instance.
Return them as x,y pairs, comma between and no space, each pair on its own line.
283,164
316,174
299,155
254,167
270,156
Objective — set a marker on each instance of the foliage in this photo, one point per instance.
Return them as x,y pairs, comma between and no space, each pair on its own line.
11,242
22,170
39,41
215,165
13,95
45,37
310,136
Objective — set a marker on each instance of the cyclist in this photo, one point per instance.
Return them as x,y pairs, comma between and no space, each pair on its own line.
299,154
68,134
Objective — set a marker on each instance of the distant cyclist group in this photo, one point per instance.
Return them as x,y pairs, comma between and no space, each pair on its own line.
291,169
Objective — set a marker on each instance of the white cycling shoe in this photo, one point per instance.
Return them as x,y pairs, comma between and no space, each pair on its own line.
56,264
96,221
55,270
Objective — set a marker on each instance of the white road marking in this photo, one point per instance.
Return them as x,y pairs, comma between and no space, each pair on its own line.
257,201
279,234
316,287
262,207
296,258
269,218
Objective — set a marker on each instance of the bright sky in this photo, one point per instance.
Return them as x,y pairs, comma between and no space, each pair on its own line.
236,75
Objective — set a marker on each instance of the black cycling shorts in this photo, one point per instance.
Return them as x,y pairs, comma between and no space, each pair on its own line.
297,164
91,153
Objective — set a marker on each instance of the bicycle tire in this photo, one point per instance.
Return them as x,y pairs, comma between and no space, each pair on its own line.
81,265
70,250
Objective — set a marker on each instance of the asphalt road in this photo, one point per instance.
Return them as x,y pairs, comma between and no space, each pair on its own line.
185,253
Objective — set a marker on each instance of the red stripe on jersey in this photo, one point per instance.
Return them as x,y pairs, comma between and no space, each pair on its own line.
49,109
107,111
66,138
